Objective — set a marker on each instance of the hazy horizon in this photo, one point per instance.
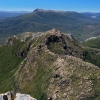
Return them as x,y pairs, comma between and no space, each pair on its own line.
45,9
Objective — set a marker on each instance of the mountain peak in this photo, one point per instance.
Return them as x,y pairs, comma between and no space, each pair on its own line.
42,10
54,30
38,10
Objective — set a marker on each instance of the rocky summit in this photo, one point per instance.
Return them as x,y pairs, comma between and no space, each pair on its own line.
53,67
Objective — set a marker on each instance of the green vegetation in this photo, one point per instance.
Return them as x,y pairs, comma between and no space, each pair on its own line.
56,48
44,74
10,59
8,66
93,58
2,41
92,47
93,43
18,47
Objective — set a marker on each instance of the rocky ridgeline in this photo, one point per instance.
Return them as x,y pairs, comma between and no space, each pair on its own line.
42,10
54,69
52,11
52,39
19,47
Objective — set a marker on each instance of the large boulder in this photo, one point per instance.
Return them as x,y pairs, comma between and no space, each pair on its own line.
7,96
12,96
23,97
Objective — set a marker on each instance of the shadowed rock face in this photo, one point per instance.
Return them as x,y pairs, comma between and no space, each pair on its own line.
63,45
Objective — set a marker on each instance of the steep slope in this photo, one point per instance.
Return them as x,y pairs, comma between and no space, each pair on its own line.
53,69
42,20
48,75
92,45
11,55
92,42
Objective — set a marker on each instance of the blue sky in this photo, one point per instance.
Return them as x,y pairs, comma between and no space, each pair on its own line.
65,5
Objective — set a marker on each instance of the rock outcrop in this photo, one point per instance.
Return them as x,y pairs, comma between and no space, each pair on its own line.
7,96
19,47
18,96
23,97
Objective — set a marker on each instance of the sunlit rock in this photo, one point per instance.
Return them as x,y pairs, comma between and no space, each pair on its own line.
23,97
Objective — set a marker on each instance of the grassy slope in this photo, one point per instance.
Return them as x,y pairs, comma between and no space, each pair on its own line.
93,43
8,66
93,48
9,62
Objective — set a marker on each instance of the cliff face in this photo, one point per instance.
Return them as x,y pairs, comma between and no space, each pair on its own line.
54,69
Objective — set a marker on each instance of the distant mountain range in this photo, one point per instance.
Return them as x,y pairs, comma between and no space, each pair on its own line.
92,15
81,26
8,14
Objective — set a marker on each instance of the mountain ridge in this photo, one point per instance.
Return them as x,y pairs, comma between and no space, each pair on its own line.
52,66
